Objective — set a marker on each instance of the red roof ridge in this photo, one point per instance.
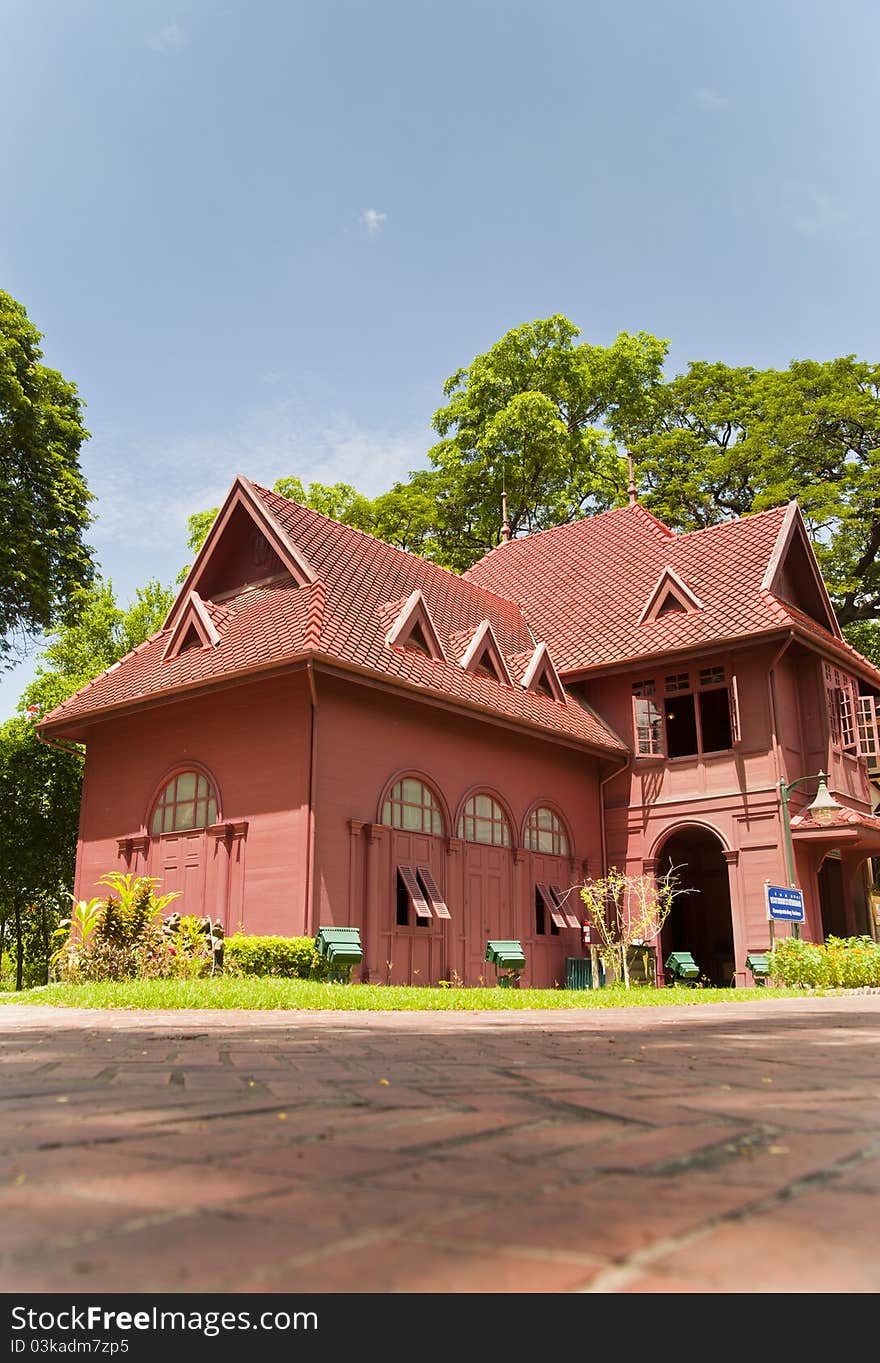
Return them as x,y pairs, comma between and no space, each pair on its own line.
315,616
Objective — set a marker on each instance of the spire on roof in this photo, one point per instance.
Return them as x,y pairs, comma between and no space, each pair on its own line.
632,490
505,523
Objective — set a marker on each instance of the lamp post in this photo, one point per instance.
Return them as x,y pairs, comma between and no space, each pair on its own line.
823,810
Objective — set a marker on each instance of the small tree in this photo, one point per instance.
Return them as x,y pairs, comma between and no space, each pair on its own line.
624,911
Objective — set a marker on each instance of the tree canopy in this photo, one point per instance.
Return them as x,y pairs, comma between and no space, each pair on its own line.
550,419
100,632
44,499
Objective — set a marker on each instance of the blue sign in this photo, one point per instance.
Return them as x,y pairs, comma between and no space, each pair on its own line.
784,902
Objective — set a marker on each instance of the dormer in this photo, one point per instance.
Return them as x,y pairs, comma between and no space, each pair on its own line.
414,629
194,628
541,676
671,595
483,656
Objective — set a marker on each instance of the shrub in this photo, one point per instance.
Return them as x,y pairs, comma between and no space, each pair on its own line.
116,937
293,957
841,963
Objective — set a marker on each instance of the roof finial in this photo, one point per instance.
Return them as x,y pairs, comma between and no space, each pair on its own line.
505,523
632,490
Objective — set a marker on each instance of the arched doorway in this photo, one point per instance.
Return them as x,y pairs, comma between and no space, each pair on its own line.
832,901
183,810
700,921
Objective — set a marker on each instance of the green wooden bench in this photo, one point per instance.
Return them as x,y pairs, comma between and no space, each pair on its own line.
681,966
508,959
340,948
758,962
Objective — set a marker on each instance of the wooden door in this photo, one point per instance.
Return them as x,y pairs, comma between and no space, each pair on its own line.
179,862
488,907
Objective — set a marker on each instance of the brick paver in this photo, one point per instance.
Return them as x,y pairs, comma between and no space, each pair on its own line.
709,1148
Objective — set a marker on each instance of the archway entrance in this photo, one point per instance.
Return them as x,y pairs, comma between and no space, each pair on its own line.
700,921
831,898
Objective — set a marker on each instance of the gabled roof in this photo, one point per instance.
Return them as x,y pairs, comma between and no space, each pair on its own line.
341,617
584,587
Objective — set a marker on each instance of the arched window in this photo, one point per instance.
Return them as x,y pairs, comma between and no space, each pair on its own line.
188,801
545,832
412,805
483,820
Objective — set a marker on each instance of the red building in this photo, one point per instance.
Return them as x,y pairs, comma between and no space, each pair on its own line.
330,730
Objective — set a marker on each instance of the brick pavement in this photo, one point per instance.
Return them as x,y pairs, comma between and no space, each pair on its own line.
711,1148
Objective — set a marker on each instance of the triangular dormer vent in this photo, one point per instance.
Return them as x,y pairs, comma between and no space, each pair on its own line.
483,657
414,629
541,676
194,628
670,596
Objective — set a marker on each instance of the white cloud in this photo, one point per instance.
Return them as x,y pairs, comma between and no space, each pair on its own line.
146,490
169,36
373,220
811,212
708,98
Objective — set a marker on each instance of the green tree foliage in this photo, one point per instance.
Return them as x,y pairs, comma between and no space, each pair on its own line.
39,810
719,442
536,414
44,500
101,632
40,786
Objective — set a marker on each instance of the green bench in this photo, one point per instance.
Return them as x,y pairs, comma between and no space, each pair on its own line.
340,948
758,962
682,967
508,959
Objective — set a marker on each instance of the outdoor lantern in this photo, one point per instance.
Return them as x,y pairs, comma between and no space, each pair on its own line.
824,806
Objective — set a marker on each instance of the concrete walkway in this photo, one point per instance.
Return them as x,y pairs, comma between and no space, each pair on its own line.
710,1148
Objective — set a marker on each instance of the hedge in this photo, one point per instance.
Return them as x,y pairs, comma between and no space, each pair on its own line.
293,957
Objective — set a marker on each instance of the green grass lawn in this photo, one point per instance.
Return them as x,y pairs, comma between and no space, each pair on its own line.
273,992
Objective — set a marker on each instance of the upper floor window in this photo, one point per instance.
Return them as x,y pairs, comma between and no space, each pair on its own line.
413,806
841,700
483,820
188,801
684,714
545,832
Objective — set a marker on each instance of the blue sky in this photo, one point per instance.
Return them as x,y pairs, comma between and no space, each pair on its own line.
258,235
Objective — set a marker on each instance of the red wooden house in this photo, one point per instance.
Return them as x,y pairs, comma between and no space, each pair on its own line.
328,730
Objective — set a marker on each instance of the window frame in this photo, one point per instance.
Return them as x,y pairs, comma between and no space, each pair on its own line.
433,807
558,831
649,696
842,709
204,793
499,816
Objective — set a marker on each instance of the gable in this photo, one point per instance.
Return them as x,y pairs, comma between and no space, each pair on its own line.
670,595
793,573
194,628
415,629
245,547
483,656
541,676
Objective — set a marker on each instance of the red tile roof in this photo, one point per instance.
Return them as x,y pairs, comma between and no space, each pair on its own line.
344,617
585,586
